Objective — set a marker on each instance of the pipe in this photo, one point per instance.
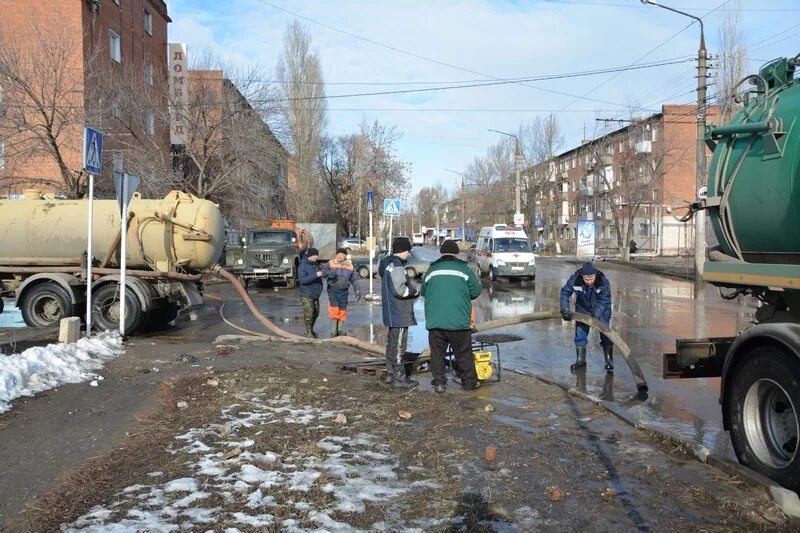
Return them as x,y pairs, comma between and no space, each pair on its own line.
40,261
105,271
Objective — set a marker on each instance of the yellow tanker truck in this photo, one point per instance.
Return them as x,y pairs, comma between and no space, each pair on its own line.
43,257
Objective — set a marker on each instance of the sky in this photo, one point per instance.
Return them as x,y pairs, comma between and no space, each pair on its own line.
380,45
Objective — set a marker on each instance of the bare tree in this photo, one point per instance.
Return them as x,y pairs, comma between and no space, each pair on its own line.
43,106
231,155
300,73
730,60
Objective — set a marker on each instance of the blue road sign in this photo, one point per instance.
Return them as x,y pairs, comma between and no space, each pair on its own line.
370,200
391,207
92,151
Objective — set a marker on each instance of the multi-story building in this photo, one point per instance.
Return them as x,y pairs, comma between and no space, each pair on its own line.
67,63
626,178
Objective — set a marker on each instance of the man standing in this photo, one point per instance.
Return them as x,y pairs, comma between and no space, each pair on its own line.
449,288
340,275
397,301
592,297
309,277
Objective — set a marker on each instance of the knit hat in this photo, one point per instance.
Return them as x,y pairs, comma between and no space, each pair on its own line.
341,251
312,251
588,269
449,247
401,244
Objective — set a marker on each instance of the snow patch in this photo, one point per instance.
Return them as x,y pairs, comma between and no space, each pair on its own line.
42,368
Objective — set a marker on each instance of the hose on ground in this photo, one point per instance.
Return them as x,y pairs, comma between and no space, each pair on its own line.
267,323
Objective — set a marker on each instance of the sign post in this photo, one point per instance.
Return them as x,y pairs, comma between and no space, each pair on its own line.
391,209
125,186
92,164
370,206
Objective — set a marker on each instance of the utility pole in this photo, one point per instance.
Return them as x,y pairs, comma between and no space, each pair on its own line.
517,169
463,205
700,155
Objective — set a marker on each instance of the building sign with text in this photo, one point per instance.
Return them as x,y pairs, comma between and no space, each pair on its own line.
586,238
178,92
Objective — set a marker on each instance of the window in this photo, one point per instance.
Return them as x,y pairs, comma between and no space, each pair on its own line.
117,162
644,229
148,73
116,2
147,22
150,123
655,132
116,112
2,154
655,195
114,46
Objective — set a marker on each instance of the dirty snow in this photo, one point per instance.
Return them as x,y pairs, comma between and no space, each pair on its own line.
43,368
257,484
11,317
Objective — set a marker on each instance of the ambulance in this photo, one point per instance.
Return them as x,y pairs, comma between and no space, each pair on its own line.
505,252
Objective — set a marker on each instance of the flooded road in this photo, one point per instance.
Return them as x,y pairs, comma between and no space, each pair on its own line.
650,312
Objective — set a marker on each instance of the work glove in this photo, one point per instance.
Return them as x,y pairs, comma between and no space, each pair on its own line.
566,315
358,296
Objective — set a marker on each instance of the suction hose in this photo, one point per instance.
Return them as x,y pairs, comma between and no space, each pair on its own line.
267,323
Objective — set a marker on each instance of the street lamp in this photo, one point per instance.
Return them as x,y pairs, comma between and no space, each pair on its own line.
517,165
700,156
463,208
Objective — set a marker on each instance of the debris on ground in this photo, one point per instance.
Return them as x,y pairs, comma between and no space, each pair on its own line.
187,358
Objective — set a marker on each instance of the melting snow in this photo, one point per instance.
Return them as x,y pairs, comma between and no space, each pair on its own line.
40,368
356,469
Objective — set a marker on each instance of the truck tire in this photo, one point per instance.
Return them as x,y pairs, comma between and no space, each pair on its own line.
45,305
363,272
105,309
764,414
291,282
492,274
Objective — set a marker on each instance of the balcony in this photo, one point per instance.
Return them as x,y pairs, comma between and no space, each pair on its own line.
588,190
603,187
643,147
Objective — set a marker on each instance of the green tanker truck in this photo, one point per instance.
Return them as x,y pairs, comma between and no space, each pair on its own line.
753,202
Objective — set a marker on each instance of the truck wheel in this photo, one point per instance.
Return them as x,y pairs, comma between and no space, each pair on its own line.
363,272
105,309
763,412
411,273
492,274
45,305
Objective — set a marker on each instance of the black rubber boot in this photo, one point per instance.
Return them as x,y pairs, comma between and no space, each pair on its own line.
608,352
580,361
334,327
309,332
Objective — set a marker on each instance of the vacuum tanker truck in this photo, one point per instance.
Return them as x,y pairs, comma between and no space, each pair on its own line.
753,202
43,259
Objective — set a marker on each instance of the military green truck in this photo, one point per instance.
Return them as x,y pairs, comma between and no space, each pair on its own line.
263,254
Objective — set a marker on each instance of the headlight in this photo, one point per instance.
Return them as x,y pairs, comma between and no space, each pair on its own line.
240,261
285,260
532,262
501,263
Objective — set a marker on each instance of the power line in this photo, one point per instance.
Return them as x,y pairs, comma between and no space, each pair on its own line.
608,4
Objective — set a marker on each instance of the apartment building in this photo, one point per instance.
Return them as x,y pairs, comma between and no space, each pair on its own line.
628,177
92,60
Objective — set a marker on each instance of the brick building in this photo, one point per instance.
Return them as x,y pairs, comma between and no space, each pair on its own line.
639,169
97,62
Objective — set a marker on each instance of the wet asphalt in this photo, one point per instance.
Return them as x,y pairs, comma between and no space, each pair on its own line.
649,311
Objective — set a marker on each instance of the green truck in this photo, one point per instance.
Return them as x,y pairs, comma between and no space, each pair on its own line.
754,206
263,254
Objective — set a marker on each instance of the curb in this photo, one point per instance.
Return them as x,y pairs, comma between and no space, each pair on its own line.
786,500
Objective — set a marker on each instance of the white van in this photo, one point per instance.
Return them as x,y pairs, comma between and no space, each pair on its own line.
505,251
417,239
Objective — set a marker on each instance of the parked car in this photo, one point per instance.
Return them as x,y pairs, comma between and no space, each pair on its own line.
416,265
417,239
353,244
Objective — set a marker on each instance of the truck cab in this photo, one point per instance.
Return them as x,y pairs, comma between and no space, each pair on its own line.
264,253
505,251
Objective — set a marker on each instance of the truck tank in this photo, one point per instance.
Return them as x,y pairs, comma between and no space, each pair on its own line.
754,176
179,231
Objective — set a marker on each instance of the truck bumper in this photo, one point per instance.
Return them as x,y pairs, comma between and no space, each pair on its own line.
282,273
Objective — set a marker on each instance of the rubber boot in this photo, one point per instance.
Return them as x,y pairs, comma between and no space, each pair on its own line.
309,331
608,352
580,361
334,327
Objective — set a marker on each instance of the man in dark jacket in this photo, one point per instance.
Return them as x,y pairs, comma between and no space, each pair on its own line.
309,276
592,297
449,288
341,276
397,301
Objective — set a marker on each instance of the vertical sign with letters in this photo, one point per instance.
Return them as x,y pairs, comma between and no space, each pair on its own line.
178,92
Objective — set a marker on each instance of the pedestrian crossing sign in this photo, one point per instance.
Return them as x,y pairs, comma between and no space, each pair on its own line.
92,151
391,207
